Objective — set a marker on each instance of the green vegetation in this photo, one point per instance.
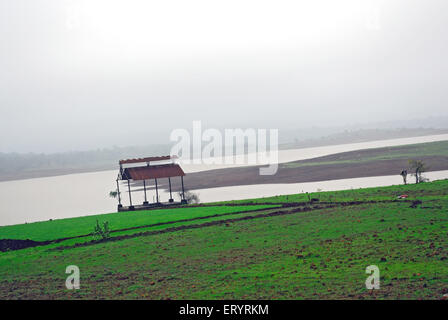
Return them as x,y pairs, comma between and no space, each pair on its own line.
73,227
101,233
300,251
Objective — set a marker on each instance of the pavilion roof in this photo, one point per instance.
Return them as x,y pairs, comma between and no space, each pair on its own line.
147,159
152,172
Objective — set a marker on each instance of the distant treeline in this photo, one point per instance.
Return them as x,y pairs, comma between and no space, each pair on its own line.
362,135
29,165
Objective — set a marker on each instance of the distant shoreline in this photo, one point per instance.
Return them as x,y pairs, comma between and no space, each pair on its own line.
52,173
44,173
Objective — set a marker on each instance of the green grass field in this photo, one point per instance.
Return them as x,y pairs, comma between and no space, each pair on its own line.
72,227
270,248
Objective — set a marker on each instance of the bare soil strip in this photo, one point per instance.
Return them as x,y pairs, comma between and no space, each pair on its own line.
11,244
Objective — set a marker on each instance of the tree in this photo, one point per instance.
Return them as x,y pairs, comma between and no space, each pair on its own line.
404,174
191,197
418,167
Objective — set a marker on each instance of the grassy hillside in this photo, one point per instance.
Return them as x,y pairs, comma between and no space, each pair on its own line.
80,226
300,250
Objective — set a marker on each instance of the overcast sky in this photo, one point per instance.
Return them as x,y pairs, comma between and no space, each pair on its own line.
96,73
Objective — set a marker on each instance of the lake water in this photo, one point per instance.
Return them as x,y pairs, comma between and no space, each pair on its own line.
81,194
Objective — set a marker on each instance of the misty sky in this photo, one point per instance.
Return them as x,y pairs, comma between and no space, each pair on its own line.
96,73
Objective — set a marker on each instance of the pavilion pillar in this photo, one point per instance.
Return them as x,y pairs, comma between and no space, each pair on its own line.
131,207
119,197
157,192
144,189
183,190
171,195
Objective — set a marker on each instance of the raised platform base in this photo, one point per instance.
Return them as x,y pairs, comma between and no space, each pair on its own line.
149,206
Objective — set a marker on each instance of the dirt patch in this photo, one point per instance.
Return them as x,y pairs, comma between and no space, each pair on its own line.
416,203
13,244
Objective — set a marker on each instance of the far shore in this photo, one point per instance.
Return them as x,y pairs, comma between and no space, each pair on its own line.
354,164
43,173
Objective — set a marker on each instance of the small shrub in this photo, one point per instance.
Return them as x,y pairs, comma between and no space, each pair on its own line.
101,233
114,194
191,197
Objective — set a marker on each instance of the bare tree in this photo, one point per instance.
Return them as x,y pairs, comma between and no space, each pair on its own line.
418,167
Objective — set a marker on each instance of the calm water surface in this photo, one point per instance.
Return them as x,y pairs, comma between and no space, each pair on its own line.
81,194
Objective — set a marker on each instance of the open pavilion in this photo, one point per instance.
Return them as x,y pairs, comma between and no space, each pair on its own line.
153,168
